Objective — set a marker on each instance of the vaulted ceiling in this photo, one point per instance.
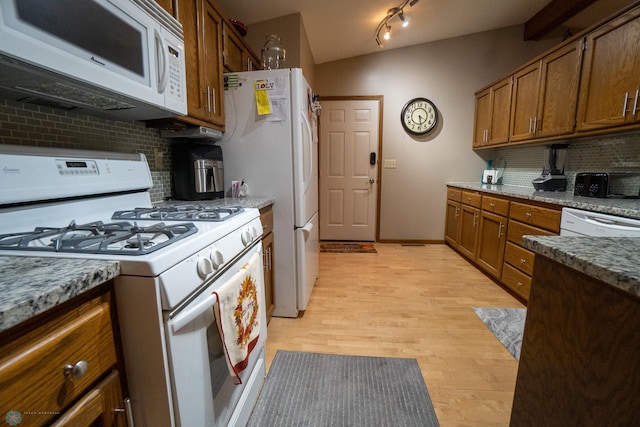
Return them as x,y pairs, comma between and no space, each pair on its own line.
339,29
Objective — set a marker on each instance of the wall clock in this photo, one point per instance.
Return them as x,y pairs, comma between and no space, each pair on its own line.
419,116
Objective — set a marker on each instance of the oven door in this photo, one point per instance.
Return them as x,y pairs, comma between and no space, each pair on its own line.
204,391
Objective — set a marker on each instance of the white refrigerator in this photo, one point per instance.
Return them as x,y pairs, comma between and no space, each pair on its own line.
271,143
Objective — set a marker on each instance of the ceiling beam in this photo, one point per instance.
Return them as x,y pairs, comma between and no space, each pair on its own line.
553,15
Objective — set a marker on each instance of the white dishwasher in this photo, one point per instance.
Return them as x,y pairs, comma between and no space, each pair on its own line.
575,222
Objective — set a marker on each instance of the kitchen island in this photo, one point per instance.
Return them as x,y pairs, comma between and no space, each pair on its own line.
579,363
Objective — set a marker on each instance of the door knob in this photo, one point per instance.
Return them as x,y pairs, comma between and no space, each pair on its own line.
371,181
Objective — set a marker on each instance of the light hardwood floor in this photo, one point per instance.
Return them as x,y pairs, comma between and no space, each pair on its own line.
414,302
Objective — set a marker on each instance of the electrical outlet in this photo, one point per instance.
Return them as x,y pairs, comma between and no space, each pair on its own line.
389,163
158,157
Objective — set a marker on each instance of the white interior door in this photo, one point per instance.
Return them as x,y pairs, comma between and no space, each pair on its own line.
349,136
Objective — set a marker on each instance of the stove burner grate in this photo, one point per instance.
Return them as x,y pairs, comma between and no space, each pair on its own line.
98,238
181,213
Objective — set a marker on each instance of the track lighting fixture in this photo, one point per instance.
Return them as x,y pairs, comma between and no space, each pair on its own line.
392,13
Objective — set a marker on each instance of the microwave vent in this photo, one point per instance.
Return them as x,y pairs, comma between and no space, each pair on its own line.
72,95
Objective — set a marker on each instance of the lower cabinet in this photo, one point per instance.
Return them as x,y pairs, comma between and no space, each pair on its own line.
266,217
488,229
62,368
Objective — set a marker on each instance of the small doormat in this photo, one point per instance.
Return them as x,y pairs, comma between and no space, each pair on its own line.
348,247
507,324
314,389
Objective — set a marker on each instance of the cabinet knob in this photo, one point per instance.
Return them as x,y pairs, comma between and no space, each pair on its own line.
519,284
76,371
523,261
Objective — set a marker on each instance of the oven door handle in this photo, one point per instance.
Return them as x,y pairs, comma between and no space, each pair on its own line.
184,318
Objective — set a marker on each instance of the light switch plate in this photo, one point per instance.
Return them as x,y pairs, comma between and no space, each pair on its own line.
389,163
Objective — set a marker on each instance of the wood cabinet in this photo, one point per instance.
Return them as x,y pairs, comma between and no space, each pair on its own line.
167,5
525,219
469,223
487,229
49,366
202,27
237,57
545,95
610,83
266,217
579,364
493,106
452,218
492,238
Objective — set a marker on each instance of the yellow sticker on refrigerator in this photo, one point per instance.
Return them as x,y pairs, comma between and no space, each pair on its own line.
263,103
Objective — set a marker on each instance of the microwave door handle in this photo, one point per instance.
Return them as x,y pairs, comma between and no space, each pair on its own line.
163,65
184,318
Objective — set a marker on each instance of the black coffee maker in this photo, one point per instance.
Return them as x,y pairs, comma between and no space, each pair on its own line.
552,177
198,172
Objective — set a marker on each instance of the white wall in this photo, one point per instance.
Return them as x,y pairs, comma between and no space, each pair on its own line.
448,73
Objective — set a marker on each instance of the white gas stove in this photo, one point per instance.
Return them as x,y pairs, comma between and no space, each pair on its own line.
96,205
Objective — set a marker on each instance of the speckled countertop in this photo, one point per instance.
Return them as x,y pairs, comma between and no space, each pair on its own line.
629,208
613,260
245,202
32,285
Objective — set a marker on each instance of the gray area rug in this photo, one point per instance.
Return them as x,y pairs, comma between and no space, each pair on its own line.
507,324
313,389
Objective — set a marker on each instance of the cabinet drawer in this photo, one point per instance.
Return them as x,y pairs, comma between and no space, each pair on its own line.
266,217
455,195
520,258
471,199
495,205
33,375
516,280
546,218
517,229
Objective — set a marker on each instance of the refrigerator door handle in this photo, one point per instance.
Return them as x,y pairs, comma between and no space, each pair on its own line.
307,126
307,230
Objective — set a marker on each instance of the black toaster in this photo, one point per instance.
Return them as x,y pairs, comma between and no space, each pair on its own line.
591,184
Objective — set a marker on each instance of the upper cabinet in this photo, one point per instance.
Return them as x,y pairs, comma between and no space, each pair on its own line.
545,95
237,57
611,75
212,47
492,114
588,85
203,46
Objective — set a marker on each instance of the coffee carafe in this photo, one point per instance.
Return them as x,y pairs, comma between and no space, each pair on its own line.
552,177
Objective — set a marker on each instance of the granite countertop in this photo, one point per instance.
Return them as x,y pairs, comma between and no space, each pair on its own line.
629,208
613,260
32,285
245,202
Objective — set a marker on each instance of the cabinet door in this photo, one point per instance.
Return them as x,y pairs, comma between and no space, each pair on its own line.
558,98
212,88
233,52
267,252
524,106
483,118
611,74
469,225
500,112
452,225
490,254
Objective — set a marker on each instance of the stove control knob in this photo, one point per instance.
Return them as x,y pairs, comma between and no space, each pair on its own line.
205,267
254,232
217,259
246,237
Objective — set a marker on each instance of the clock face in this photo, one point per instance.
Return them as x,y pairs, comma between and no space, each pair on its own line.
419,116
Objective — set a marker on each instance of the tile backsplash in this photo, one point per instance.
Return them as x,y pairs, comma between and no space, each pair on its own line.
28,124
610,153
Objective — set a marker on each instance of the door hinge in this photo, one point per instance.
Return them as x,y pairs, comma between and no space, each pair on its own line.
584,45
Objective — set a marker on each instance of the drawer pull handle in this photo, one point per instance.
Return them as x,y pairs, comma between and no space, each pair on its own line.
491,204
522,260
76,371
519,284
528,214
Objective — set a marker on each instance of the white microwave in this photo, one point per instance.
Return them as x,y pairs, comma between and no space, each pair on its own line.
119,59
